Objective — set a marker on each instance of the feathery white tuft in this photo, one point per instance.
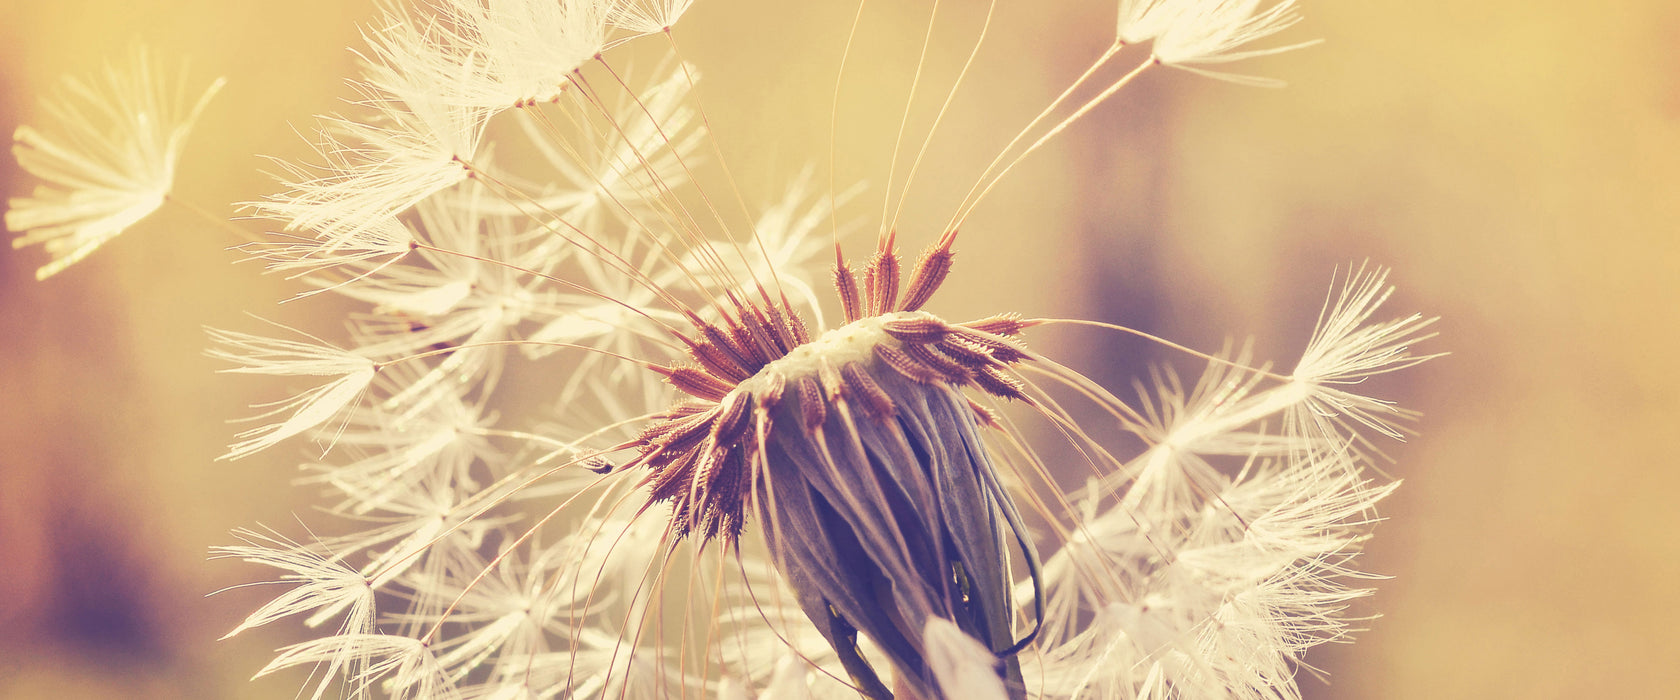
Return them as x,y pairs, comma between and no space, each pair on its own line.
648,16
1143,20
492,54
326,587
404,667
1345,350
414,144
1198,33
255,354
1192,34
108,159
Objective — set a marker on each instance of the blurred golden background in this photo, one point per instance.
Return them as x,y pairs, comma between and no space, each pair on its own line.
1517,164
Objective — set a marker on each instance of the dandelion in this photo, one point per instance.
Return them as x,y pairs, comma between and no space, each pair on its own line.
734,496
109,157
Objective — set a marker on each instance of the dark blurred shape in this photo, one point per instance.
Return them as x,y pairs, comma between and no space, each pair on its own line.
102,601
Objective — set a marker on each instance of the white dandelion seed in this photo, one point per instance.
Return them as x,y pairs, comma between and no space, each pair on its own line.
405,667
1194,34
351,373
491,54
325,586
793,249
415,144
381,242
648,16
108,157
1143,20
399,452
1345,350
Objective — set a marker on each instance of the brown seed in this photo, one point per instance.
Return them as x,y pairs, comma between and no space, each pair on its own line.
730,424
984,415
952,370
996,382
1001,350
965,351
916,330
727,342
812,403
925,278
1006,325
882,280
911,369
860,384
718,361
846,284
696,382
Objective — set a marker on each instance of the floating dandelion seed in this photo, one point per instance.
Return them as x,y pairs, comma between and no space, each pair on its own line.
739,498
109,154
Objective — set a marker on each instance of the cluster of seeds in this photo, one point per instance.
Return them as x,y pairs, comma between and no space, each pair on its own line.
701,453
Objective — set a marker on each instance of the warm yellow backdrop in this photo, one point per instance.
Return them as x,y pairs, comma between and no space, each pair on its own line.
1516,163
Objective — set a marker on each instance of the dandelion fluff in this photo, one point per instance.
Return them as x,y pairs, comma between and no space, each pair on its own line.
108,157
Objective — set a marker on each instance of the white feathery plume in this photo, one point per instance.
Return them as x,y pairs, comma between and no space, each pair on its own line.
622,317
382,475
731,689
1212,584
790,681
1143,20
787,248
604,665
420,516
509,614
648,16
1253,582
1190,34
108,157
529,606
414,144
456,299
327,587
382,242
352,373
405,667
764,622
397,453
1345,350
1217,418
431,284
492,54
623,169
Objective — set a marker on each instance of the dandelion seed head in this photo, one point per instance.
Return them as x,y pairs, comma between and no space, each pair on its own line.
736,496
